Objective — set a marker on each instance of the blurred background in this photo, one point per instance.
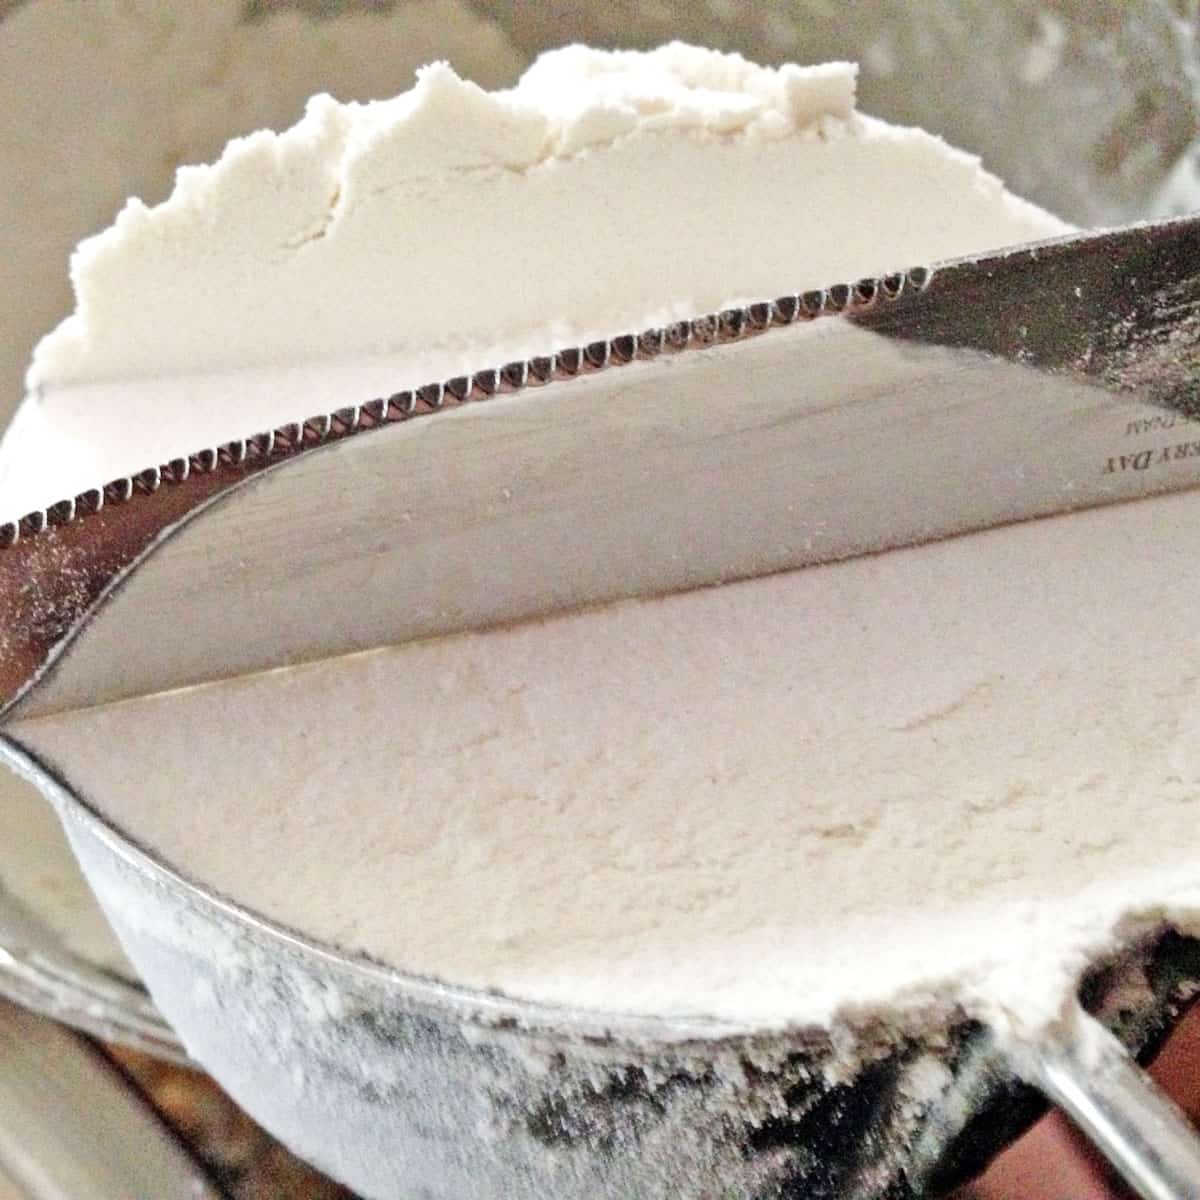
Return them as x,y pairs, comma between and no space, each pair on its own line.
1090,107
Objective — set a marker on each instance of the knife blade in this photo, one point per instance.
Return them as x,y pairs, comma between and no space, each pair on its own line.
784,434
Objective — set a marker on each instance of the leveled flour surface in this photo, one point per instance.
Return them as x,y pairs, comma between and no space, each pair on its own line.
957,771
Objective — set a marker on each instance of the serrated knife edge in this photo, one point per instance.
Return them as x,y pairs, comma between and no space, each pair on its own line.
268,447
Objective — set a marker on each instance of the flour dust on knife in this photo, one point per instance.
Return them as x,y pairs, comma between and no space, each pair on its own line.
577,774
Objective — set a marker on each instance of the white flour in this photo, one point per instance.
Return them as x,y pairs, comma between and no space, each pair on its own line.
953,768
334,236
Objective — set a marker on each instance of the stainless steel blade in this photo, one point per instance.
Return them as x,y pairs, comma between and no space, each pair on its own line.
987,391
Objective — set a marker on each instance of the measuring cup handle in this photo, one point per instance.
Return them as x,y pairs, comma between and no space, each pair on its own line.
1086,1072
